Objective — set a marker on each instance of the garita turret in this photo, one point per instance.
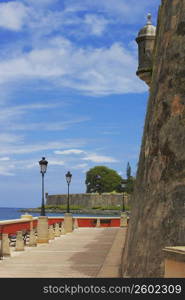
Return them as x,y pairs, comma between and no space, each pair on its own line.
146,41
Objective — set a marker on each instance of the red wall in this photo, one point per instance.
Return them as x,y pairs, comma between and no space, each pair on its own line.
13,228
82,222
53,220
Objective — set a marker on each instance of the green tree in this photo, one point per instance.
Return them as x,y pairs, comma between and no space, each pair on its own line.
128,171
102,180
130,185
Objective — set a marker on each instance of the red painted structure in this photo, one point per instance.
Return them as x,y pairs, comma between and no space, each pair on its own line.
12,226
52,221
91,222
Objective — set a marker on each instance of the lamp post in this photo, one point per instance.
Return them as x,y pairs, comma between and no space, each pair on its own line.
68,179
123,185
43,167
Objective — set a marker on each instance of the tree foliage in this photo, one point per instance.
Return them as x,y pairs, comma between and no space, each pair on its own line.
129,188
128,171
102,180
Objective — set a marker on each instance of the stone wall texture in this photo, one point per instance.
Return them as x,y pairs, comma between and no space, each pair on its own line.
158,213
88,200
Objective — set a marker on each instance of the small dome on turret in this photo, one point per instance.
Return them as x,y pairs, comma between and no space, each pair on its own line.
148,29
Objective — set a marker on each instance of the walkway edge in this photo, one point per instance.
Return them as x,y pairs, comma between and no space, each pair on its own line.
112,263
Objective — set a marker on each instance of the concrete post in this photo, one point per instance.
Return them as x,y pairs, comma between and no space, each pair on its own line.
5,247
75,223
123,219
51,232
98,223
19,246
42,230
29,217
68,222
174,263
32,239
57,230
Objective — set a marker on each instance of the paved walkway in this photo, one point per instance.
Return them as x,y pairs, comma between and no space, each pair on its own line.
86,252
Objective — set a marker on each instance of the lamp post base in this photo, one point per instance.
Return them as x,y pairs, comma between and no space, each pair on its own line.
42,230
68,222
123,219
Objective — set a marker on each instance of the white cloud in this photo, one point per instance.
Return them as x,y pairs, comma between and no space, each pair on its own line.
13,112
79,166
70,151
95,71
56,162
4,158
111,132
48,126
95,23
5,172
6,167
13,15
87,156
125,11
40,3
100,158
7,138
38,147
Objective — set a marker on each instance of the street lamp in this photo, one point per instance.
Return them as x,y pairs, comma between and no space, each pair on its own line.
43,167
123,185
68,179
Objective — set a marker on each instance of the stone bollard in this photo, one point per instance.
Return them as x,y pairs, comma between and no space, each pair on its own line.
75,223
51,232
5,245
62,229
123,219
32,239
68,222
28,217
19,246
57,230
98,223
42,230
174,262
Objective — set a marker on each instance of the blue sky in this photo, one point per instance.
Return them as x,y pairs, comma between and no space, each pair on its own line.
68,92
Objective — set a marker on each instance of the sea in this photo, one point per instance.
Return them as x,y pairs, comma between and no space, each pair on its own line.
9,213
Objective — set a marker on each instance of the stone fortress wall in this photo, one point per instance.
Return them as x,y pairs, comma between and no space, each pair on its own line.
158,211
88,200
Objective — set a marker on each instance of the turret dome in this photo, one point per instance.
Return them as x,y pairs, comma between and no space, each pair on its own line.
148,29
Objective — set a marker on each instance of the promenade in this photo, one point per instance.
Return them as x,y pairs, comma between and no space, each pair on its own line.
86,252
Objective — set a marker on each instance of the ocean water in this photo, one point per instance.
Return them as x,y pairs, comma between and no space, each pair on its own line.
8,213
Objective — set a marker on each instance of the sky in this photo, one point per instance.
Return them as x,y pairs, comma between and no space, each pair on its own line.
69,92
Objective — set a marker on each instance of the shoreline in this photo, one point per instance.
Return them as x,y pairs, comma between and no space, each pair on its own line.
75,211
